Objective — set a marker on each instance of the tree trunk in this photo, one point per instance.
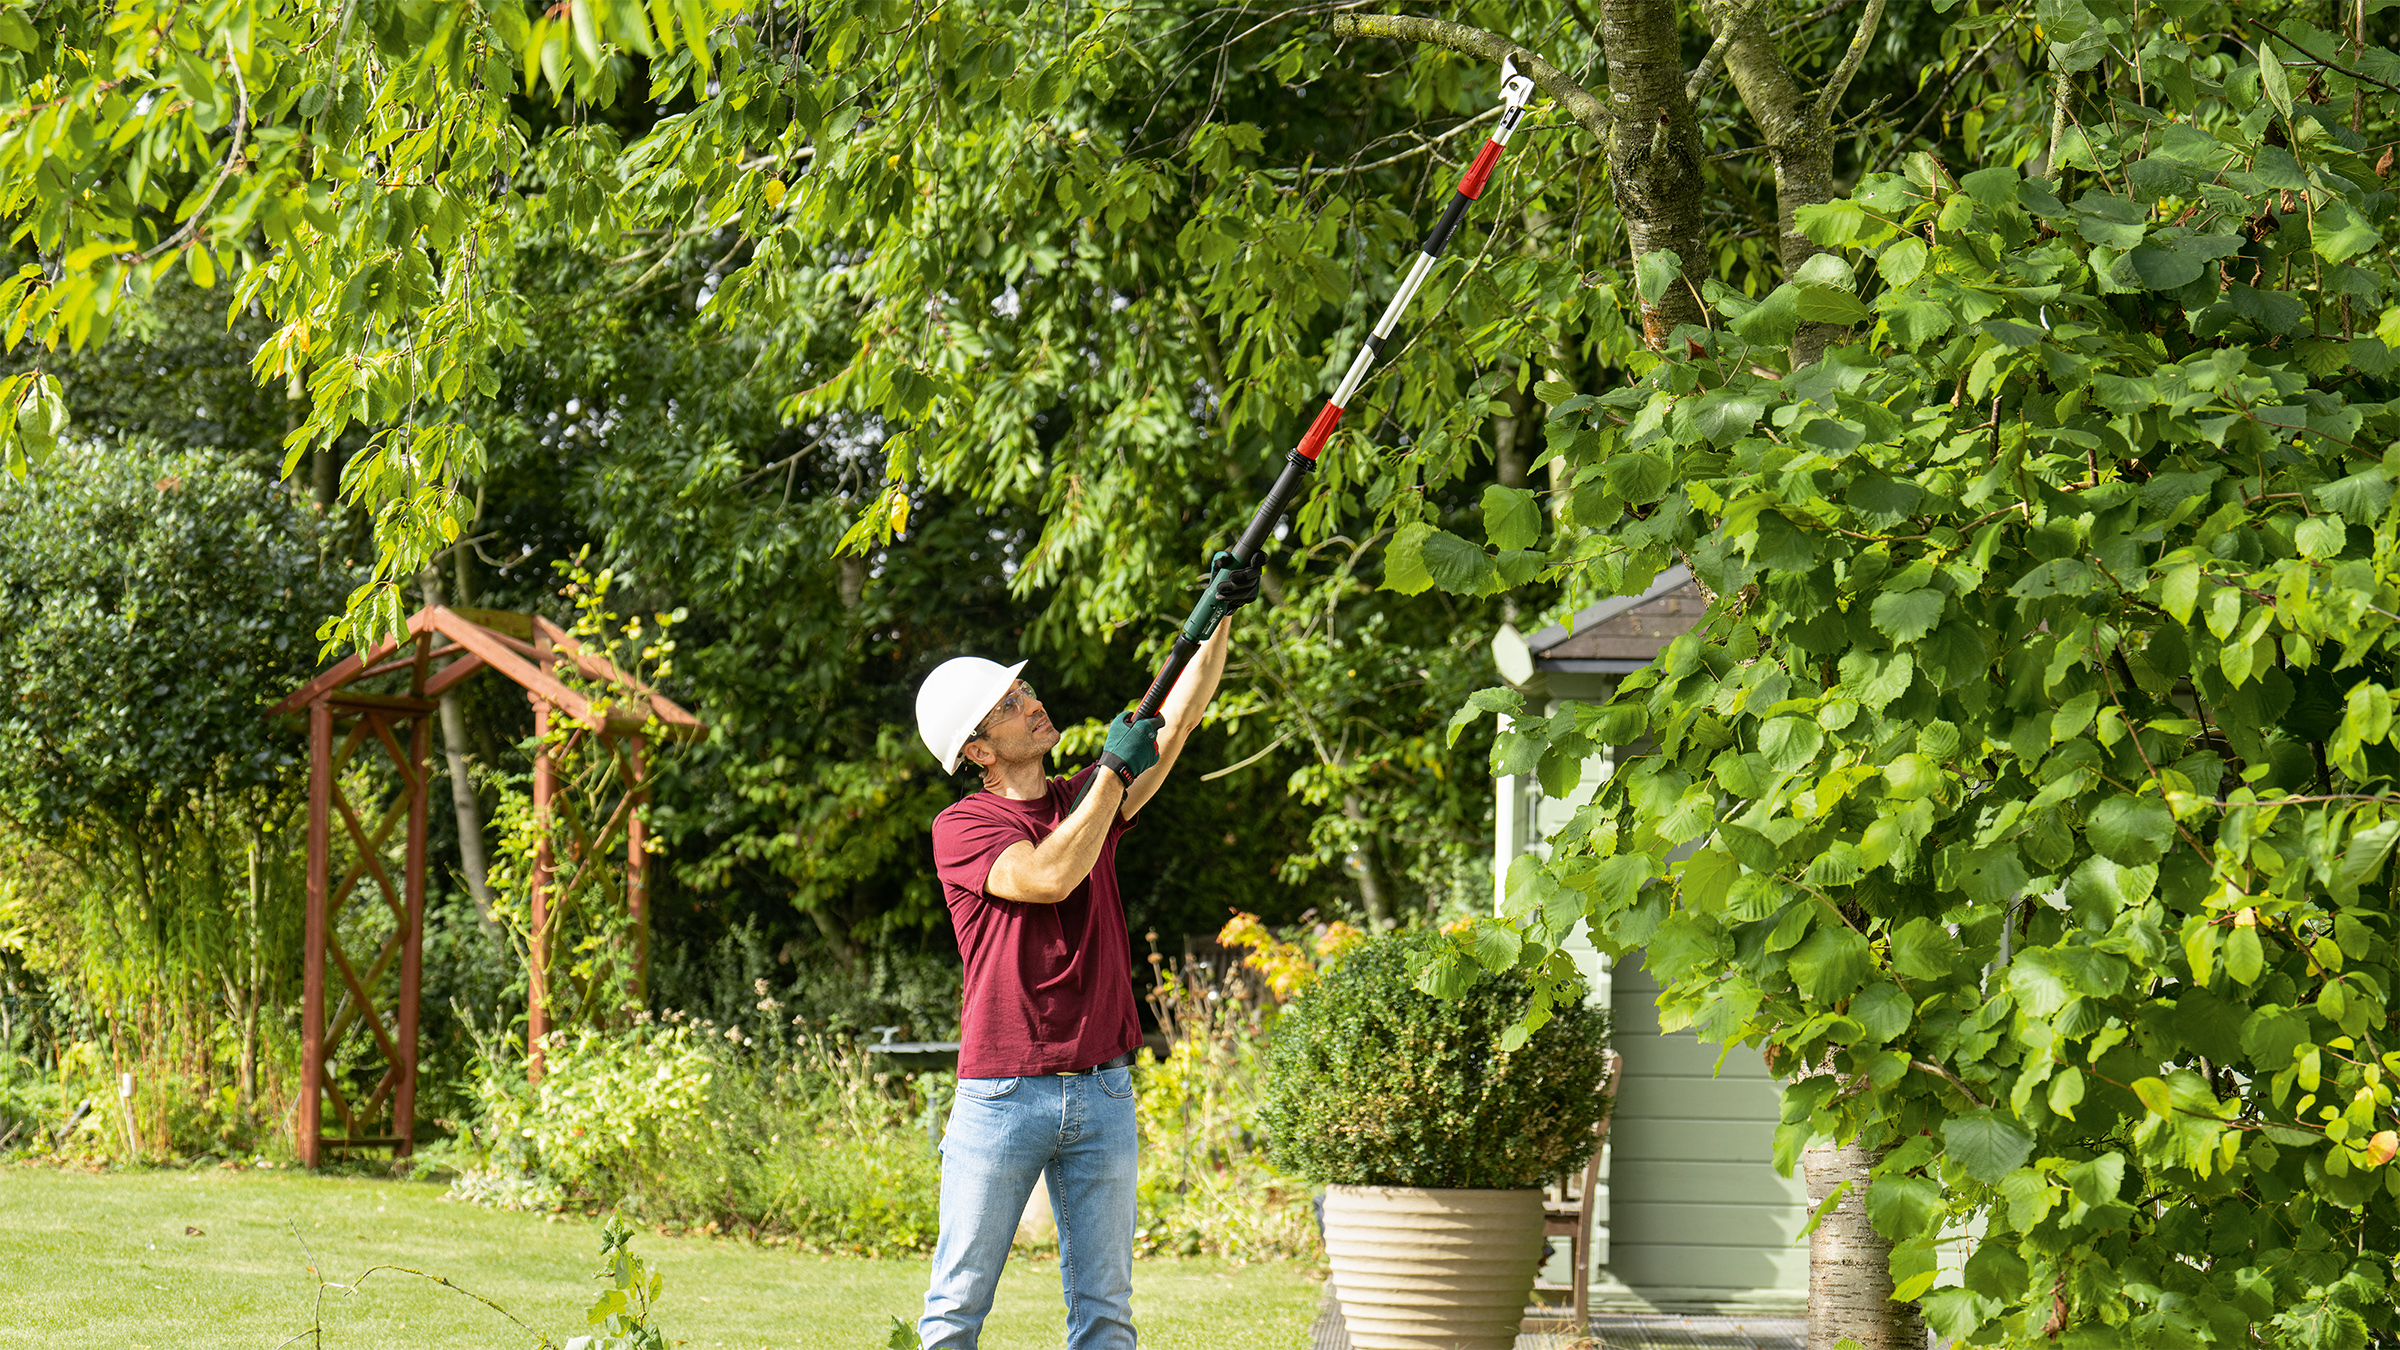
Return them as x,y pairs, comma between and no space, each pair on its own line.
1798,129
1849,1263
1512,451
1374,894
1646,124
1798,142
1654,154
250,992
471,860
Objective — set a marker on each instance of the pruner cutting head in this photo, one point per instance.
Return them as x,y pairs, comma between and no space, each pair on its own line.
1516,87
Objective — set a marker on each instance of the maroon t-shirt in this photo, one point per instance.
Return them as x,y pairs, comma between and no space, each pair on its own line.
1049,987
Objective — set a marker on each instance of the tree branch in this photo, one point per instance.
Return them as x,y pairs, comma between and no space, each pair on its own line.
1945,1075
1829,99
1707,69
1581,104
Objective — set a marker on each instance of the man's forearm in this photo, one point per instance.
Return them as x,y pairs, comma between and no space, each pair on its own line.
1188,700
1061,862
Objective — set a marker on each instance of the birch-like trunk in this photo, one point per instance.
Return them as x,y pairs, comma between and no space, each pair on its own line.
472,862
1849,1263
1511,451
1374,894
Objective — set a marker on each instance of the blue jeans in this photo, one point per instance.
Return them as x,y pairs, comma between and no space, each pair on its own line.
1004,1132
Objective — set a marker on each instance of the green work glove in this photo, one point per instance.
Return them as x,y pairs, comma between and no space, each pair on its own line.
1230,587
1132,747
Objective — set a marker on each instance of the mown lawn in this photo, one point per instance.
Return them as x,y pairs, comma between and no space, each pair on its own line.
106,1261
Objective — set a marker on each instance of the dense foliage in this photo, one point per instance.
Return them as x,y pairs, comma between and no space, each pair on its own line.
1372,1081
742,1127
155,603
2028,793
2025,793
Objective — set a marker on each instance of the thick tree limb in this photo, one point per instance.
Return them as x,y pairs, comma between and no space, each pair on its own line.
1645,122
1654,155
1581,104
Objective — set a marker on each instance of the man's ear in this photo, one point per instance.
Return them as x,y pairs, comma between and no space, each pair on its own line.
977,752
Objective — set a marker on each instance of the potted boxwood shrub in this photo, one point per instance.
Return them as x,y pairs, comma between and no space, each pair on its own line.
1433,1142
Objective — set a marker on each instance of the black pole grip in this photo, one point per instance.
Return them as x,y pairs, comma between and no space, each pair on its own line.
1296,470
1287,485
1177,658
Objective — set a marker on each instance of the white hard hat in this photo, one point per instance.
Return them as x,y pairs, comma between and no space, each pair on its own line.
960,693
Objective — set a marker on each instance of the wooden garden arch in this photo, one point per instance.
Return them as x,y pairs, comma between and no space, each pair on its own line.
444,648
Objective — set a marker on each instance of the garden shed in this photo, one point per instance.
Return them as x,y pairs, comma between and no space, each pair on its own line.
1690,1214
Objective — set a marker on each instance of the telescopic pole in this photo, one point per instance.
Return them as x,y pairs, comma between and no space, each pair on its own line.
1515,90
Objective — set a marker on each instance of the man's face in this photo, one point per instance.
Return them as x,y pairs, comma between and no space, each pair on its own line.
1016,730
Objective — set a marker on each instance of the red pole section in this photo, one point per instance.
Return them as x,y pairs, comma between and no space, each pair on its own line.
1480,172
1320,431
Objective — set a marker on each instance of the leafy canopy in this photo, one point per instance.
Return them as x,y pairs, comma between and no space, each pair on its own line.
2030,792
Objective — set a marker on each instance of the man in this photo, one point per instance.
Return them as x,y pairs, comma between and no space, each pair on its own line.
1045,1065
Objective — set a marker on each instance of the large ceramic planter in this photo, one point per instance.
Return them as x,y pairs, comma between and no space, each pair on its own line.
1432,1269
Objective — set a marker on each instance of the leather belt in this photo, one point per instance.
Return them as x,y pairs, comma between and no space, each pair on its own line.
1123,1061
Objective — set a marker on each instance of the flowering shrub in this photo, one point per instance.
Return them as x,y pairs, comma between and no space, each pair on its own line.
1205,1186
1288,964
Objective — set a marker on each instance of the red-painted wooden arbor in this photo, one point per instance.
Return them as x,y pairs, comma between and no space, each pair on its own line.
447,646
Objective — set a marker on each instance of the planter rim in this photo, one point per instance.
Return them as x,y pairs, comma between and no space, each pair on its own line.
1429,1190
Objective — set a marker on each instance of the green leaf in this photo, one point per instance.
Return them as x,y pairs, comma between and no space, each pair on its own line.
2338,234
1457,566
1985,1146
1655,271
2360,496
2059,576
1924,950
2073,716
1496,946
2131,830
2097,1181
2040,988
2321,536
1770,322
1823,304
1901,261
1902,1207
1404,559
2365,855
1725,416
1884,1010
2155,1096
2066,1091
1913,777
2245,958
1831,963
1512,517
1481,703
2170,262
1641,477
1707,876
1908,615
1789,742
2272,81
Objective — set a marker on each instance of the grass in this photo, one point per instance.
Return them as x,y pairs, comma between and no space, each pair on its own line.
107,1260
